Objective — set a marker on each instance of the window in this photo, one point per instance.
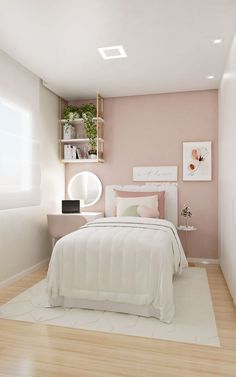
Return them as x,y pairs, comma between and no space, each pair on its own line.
19,135
16,157
15,149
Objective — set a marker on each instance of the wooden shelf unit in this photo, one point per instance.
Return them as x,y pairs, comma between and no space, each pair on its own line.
81,142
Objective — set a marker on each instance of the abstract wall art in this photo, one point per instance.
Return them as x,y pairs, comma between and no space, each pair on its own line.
197,165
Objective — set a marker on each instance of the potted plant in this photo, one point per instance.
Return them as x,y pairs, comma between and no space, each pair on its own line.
186,213
88,113
71,113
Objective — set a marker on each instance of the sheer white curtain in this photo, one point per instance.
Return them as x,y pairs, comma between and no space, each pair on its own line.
19,136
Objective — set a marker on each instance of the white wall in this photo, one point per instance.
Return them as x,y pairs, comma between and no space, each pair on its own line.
24,240
227,172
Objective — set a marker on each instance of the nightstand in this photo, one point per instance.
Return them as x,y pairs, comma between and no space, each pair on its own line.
186,230
60,224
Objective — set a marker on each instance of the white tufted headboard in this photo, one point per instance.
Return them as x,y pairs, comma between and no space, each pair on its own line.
171,197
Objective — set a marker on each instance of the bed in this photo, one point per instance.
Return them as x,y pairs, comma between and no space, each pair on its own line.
121,264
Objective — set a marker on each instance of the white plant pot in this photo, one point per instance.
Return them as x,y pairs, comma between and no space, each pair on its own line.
92,156
69,132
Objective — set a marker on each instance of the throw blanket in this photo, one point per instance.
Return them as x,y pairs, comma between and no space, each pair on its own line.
122,259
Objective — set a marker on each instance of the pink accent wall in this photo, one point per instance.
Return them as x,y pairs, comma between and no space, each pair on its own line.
149,130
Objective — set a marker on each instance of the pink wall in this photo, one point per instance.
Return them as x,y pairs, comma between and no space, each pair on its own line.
149,130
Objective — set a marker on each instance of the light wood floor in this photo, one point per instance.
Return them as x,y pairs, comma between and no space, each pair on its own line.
35,350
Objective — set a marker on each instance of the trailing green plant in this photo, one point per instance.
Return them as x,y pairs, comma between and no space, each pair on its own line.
88,112
88,108
71,109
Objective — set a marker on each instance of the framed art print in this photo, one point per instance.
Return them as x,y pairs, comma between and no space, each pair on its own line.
197,164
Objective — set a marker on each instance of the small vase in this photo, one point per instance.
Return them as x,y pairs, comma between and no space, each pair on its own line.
187,221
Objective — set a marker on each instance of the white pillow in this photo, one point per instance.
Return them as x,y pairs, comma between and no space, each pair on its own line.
128,206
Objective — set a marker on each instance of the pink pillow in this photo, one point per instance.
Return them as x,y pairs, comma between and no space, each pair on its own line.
132,194
144,211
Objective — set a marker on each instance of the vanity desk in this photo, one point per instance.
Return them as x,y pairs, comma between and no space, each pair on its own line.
86,187
61,224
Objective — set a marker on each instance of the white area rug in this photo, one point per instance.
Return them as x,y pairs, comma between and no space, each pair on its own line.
194,320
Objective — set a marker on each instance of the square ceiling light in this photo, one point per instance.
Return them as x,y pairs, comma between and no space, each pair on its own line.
113,52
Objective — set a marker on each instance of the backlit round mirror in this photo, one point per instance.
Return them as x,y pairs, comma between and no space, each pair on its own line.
86,187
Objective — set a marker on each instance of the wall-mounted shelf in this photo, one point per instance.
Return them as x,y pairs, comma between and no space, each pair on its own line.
80,120
78,146
82,140
88,160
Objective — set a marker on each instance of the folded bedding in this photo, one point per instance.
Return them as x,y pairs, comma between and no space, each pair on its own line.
128,260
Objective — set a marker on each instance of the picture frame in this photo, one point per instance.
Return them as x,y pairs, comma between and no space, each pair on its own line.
197,161
155,173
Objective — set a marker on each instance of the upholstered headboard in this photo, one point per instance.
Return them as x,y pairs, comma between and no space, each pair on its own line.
171,198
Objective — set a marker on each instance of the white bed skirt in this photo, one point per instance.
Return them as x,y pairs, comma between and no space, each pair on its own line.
140,310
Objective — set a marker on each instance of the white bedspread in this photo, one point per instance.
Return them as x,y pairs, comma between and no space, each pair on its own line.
126,260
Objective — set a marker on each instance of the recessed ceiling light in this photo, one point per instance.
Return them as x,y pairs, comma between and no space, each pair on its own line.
210,77
113,52
217,41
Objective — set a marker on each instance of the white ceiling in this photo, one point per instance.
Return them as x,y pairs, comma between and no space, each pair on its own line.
168,42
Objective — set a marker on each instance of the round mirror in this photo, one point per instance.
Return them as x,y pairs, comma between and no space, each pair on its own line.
86,187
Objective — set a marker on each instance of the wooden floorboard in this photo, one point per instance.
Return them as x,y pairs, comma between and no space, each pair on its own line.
35,350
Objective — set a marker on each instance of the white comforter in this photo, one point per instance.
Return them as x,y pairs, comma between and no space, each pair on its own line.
125,260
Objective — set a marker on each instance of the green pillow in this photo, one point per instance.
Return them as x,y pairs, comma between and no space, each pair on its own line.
131,211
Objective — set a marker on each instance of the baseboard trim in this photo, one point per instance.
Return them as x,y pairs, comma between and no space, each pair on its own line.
203,260
21,274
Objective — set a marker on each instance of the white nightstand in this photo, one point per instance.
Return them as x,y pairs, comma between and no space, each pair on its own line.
186,230
60,224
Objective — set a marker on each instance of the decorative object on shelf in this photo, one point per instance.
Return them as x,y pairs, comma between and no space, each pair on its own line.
84,151
88,112
92,154
155,173
71,112
78,153
197,163
70,152
67,152
70,206
68,131
186,213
